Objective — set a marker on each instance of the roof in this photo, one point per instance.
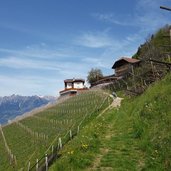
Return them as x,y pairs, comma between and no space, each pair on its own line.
73,80
124,60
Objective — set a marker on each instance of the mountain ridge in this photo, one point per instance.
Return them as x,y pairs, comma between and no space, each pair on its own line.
15,105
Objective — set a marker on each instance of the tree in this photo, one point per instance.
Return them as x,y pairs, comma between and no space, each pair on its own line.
94,75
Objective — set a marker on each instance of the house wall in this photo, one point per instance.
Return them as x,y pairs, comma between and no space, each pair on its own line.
79,85
119,71
69,85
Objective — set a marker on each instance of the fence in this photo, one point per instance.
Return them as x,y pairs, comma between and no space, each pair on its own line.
45,161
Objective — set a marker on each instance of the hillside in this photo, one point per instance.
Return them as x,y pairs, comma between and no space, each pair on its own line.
12,106
156,46
88,132
134,137
24,142
137,136
155,63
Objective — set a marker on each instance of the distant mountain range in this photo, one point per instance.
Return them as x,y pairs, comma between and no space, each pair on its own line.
12,106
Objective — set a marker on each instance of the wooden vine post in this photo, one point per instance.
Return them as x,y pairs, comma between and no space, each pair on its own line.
52,149
46,162
78,129
70,134
28,169
11,156
152,68
60,143
37,164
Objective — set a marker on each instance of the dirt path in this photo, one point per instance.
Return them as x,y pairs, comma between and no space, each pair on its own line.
96,163
116,103
103,150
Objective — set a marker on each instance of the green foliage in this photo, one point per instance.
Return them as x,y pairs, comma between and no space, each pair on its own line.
4,161
94,75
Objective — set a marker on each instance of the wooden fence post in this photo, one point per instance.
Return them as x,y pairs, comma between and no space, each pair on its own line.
15,160
70,134
11,158
60,143
37,164
52,149
78,129
28,166
46,162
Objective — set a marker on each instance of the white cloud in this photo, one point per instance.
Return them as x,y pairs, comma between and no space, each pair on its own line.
112,18
27,75
19,63
38,51
105,40
37,83
64,69
111,48
95,62
94,40
33,75
19,27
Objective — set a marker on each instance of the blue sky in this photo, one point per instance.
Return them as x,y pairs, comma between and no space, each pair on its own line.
43,42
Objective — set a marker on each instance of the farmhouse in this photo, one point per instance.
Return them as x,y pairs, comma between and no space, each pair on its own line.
124,65
72,86
121,68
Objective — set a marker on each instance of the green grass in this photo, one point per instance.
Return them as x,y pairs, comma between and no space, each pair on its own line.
137,136
4,161
33,137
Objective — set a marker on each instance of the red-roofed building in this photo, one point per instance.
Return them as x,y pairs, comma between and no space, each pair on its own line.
124,66
72,86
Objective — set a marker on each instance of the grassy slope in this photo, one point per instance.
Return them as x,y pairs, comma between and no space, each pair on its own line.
32,137
160,38
135,137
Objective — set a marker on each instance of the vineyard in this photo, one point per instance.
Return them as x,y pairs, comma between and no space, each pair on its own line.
24,143
135,136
